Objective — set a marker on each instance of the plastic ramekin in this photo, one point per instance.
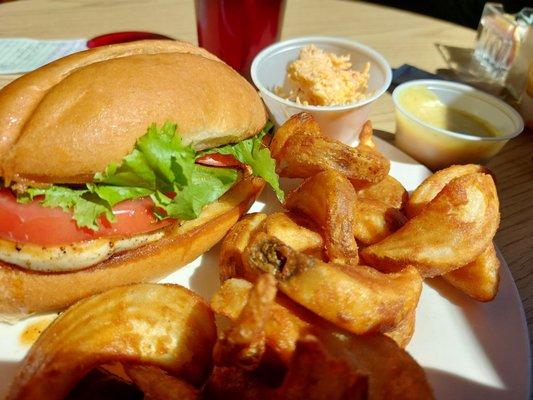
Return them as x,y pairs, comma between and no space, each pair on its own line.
438,148
341,122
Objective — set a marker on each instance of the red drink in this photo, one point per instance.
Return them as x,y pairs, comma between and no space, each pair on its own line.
236,30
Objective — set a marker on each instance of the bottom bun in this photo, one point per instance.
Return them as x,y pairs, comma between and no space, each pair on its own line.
24,292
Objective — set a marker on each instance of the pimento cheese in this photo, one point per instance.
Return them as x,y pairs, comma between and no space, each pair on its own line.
319,78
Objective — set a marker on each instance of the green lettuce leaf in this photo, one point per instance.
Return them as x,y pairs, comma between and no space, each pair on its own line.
86,207
162,167
115,194
252,152
208,184
159,161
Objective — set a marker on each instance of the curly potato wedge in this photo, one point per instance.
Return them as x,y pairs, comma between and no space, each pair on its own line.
329,200
243,344
404,331
356,298
392,373
433,184
228,383
314,373
100,381
281,330
388,191
288,228
451,231
234,243
374,220
156,384
282,225
166,326
301,151
480,278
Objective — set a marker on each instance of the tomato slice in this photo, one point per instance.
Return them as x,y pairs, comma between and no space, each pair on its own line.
34,223
220,160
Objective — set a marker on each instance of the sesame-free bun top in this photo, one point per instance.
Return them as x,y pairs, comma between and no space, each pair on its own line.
66,121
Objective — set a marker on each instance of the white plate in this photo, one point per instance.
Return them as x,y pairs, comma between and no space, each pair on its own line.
469,350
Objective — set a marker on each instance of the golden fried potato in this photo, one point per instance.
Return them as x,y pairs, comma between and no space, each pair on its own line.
280,225
282,329
366,136
404,331
228,383
284,227
312,374
315,374
244,344
329,199
356,298
478,279
99,383
392,372
156,384
388,191
301,151
229,261
432,186
375,220
140,324
230,299
451,231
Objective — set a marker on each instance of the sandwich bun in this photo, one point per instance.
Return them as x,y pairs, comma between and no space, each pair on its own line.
69,119
24,292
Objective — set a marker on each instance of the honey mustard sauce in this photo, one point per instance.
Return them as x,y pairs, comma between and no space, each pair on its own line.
426,106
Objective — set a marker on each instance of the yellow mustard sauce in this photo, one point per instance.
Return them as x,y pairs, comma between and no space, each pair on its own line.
426,106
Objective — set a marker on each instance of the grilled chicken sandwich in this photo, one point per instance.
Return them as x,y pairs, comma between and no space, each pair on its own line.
120,164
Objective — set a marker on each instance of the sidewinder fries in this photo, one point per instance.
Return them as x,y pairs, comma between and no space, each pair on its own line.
388,191
228,383
356,298
99,381
166,326
451,231
233,245
312,374
279,225
375,220
404,331
301,151
156,384
479,279
284,227
329,200
392,373
244,344
432,186
315,374
282,329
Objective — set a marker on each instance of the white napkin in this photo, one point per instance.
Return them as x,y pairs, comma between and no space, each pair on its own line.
19,55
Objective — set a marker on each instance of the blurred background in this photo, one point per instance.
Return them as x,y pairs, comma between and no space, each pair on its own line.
462,12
